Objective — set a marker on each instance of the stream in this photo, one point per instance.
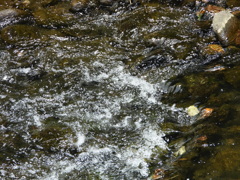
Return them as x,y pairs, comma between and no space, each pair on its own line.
104,97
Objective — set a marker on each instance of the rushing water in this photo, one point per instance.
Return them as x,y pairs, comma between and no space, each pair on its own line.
79,108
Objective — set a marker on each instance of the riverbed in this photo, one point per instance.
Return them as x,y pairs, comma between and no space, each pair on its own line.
106,97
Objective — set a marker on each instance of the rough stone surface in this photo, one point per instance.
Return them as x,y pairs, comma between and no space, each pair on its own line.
227,28
80,5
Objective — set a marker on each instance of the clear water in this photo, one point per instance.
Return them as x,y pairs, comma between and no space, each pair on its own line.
78,108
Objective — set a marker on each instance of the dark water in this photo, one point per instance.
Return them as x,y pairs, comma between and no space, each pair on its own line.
106,98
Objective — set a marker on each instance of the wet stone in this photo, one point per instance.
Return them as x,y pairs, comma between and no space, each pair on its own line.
11,16
232,77
17,33
26,35
106,2
32,4
54,16
233,3
7,3
227,28
80,5
12,144
201,86
212,49
53,137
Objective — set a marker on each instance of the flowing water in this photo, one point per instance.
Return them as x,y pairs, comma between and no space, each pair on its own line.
85,107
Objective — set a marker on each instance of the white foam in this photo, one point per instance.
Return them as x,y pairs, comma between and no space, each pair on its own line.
80,139
135,156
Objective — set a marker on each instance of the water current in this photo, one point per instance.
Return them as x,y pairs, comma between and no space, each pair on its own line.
79,108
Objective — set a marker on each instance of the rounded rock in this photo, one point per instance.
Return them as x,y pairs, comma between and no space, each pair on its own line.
227,28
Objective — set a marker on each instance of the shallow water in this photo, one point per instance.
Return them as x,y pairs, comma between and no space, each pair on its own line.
80,107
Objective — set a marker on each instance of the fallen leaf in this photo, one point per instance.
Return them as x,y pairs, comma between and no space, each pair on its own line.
202,138
200,14
158,174
192,110
181,151
206,112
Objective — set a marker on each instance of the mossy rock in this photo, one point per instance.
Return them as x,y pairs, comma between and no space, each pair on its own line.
194,87
81,5
224,98
232,76
32,4
54,16
53,137
223,113
26,35
7,3
224,165
233,3
12,145
201,86
19,33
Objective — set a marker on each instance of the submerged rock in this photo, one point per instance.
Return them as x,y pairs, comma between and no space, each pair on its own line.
233,3
213,49
26,35
227,28
80,5
9,16
106,2
53,16
32,4
18,33
6,13
232,77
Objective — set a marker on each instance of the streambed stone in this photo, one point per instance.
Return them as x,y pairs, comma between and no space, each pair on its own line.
232,77
227,28
25,35
54,16
233,3
32,4
10,16
6,13
80,5
53,137
18,33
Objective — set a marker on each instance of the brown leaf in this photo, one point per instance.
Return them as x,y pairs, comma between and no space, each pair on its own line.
202,138
206,113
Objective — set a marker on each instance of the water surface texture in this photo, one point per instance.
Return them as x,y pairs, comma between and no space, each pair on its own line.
88,100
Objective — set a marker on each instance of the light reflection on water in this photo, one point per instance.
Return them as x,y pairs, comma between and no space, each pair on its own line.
87,116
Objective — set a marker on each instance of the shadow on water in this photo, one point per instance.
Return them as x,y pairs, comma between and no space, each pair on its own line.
102,94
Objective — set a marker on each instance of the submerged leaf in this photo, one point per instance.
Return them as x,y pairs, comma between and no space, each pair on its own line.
206,113
181,151
192,110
